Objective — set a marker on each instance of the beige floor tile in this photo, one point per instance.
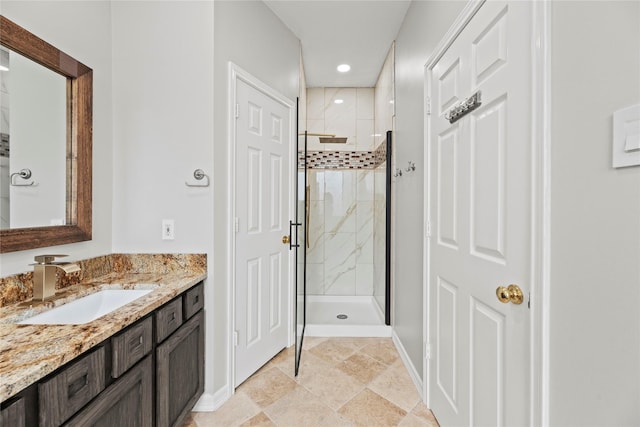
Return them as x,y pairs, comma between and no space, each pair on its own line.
383,351
332,386
412,421
395,385
260,420
343,382
362,367
425,413
238,409
333,351
301,408
310,342
355,342
370,409
189,421
284,361
267,386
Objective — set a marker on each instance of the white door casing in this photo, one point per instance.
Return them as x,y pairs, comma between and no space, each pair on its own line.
262,275
480,203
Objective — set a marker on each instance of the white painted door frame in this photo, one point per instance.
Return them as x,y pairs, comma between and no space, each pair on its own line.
540,228
236,73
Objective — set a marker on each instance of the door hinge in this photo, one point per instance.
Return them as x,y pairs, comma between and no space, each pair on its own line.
235,338
237,112
427,229
427,106
427,351
236,224
529,301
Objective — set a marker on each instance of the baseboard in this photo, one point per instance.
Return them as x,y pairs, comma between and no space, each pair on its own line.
210,402
415,377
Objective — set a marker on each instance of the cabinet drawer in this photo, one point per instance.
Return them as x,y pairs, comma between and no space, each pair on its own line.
168,319
193,301
130,346
126,403
14,414
66,392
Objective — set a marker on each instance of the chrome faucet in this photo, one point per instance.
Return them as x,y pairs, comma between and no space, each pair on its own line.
44,275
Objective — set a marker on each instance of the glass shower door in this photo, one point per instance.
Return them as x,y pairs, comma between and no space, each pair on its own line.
302,217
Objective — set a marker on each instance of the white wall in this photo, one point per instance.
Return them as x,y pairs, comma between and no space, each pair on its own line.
81,29
425,24
595,218
163,131
250,35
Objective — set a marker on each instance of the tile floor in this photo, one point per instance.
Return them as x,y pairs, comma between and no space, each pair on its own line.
342,382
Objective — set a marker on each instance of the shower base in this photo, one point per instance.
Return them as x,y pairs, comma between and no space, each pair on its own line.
364,317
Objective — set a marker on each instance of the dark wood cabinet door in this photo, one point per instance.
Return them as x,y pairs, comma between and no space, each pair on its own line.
71,388
126,403
13,415
180,372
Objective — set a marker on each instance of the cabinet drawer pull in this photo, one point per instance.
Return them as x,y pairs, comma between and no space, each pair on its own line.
193,301
131,346
75,386
135,343
173,316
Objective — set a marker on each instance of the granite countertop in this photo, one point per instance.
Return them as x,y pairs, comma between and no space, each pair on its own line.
30,352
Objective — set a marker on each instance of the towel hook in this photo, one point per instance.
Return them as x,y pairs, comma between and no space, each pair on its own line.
24,174
411,167
199,174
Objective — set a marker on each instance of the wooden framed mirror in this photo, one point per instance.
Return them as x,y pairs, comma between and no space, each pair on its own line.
79,122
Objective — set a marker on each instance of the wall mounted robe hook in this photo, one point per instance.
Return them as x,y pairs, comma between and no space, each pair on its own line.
398,173
24,174
199,175
411,167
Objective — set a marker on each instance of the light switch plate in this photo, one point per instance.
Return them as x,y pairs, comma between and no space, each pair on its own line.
626,137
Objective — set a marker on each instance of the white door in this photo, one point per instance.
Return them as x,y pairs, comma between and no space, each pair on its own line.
262,211
480,213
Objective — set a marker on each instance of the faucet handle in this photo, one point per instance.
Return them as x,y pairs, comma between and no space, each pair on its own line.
46,259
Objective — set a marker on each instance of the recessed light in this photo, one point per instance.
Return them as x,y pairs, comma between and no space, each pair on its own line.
338,101
343,68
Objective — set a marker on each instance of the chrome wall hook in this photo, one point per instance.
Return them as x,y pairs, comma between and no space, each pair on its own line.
398,172
199,175
411,167
24,174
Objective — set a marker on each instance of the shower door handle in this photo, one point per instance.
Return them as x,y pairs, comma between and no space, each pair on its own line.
289,239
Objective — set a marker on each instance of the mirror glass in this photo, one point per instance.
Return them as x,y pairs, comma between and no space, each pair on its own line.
33,127
45,145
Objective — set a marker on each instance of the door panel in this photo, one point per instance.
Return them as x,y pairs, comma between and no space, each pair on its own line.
301,225
262,261
481,215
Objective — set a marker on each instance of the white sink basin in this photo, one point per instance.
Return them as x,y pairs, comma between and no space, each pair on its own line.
88,308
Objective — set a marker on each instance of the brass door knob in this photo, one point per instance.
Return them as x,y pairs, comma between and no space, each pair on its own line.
512,293
285,240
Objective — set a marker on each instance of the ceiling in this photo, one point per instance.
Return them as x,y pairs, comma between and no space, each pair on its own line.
333,32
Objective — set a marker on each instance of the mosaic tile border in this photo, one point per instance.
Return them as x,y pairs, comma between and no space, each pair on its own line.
344,159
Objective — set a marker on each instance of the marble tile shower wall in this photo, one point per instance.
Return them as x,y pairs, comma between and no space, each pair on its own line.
353,118
340,253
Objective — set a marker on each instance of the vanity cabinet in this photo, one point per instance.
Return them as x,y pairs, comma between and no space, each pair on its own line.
149,374
127,402
180,372
14,414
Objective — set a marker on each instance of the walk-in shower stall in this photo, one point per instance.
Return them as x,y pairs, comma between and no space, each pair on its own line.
343,258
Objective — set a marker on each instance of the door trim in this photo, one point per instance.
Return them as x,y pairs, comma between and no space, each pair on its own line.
237,73
541,201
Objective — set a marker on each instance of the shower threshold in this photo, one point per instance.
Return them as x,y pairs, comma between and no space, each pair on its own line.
344,316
